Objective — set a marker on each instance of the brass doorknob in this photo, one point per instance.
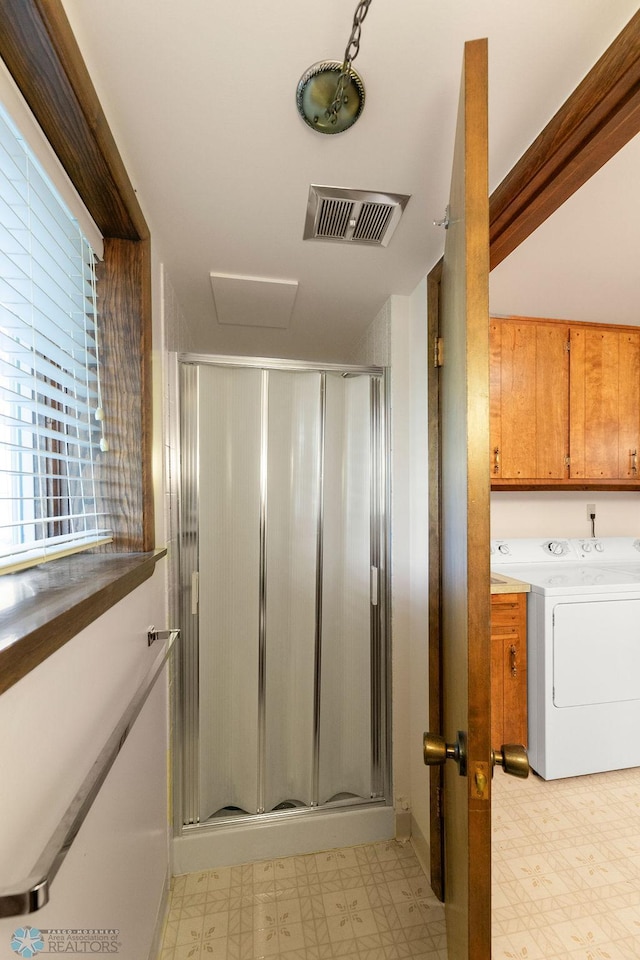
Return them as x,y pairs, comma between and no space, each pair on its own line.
513,759
437,751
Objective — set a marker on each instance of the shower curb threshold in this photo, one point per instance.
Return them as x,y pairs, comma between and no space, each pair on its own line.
225,845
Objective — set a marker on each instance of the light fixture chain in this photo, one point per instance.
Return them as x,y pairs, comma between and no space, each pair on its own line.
350,53
353,47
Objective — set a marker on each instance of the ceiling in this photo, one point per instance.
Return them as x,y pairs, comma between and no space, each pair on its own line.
200,96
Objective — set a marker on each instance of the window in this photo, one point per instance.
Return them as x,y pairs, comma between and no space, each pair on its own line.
51,412
37,46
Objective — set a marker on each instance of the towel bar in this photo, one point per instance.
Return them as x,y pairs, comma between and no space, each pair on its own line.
33,892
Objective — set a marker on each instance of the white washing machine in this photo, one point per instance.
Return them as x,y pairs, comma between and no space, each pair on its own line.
583,650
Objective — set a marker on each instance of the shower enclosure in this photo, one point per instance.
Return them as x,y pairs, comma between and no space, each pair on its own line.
283,686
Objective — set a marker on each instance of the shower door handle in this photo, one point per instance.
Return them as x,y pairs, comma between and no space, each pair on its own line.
374,587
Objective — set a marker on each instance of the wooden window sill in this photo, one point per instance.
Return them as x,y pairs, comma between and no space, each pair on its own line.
44,607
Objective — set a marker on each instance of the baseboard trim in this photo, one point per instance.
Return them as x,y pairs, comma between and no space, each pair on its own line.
161,921
421,847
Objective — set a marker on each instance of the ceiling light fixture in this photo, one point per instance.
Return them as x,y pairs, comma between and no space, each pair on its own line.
330,94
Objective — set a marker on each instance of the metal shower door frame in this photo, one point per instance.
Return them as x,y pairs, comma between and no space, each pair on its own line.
184,417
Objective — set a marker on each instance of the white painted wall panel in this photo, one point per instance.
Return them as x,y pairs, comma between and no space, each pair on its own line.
551,513
53,724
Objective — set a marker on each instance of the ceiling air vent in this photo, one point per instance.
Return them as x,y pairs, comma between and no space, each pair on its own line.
354,216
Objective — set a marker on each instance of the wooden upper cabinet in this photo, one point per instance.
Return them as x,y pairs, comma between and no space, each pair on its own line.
604,403
529,364
565,403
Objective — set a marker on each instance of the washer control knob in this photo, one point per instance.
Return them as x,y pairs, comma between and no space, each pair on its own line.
586,546
557,547
599,546
503,548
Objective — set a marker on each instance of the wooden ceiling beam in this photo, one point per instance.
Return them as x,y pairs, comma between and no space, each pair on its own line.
597,120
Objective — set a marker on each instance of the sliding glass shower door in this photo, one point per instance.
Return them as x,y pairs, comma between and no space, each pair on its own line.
283,603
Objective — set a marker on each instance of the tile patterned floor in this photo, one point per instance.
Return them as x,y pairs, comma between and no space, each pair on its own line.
566,886
371,902
566,868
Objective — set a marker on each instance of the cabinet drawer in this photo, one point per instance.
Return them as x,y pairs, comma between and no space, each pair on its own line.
505,616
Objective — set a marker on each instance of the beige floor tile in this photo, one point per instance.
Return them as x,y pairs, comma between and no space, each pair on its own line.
189,931
566,886
219,879
215,925
189,951
508,947
328,906
196,883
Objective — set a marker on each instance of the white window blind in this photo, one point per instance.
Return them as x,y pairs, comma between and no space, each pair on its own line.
50,405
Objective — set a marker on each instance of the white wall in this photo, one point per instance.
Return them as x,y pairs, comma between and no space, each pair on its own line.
54,722
547,513
374,347
400,328
398,338
419,560
410,562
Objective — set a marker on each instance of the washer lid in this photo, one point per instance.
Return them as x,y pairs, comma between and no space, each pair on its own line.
570,578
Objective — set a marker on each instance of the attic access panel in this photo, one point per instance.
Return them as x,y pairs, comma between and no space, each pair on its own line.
352,216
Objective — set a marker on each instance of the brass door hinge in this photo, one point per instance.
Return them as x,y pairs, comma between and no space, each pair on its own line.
438,352
567,346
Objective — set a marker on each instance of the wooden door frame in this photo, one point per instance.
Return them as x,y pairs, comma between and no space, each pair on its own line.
594,123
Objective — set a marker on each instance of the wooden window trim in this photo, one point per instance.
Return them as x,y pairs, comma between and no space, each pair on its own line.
49,605
41,53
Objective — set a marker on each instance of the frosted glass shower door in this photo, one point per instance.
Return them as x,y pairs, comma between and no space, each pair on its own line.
293,498
258,532
283,679
345,761
229,431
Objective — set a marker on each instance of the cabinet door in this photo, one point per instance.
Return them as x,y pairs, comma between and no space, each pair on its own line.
509,668
529,400
604,403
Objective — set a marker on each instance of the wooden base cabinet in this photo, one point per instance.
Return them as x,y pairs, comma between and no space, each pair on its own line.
508,668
